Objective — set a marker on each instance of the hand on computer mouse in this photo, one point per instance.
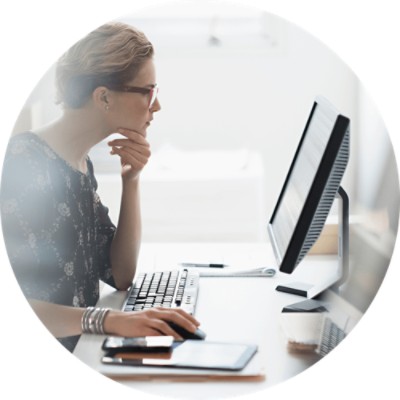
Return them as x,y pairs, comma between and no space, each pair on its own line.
152,322
185,334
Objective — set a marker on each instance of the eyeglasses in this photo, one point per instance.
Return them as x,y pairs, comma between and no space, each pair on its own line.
152,92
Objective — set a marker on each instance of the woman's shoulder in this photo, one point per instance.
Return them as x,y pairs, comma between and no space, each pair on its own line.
26,145
24,167
25,159
28,148
22,138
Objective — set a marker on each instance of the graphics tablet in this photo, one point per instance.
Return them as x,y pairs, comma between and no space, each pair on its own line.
191,354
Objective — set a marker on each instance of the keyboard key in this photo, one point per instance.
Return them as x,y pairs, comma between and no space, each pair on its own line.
164,289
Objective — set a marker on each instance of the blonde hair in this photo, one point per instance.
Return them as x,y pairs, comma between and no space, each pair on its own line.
110,56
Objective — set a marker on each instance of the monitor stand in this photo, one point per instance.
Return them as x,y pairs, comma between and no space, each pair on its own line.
334,282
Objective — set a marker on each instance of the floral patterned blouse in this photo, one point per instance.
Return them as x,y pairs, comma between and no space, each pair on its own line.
56,230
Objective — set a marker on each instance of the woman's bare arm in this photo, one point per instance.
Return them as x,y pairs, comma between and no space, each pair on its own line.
64,321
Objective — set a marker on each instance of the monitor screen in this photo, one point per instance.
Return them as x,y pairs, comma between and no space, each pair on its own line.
310,185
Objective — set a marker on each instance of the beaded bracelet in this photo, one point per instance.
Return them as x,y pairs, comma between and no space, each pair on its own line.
93,320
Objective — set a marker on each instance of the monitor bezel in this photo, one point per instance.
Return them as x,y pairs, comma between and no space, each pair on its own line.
288,261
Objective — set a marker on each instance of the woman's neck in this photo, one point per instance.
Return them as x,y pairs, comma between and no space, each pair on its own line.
72,136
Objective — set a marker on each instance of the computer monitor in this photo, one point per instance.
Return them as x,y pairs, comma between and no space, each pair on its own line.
308,192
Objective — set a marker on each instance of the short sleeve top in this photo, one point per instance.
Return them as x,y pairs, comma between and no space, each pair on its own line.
56,230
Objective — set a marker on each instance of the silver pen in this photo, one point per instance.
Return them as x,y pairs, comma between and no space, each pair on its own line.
197,265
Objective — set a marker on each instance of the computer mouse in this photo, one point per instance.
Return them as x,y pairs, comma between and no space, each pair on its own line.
197,335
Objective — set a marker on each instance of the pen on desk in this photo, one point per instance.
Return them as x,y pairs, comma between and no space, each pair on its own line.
197,265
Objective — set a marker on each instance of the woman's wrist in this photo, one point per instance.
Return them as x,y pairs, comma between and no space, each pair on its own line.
92,320
130,188
110,322
131,181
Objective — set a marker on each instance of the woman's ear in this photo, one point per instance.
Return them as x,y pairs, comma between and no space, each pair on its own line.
102,98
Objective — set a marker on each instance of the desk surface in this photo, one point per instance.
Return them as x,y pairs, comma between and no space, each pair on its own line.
253,318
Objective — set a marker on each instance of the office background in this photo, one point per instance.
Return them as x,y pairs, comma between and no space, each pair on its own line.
236,87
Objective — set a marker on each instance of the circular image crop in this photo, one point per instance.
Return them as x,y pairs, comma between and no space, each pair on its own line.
227,163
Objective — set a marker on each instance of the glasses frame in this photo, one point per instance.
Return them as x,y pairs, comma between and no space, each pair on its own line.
153,91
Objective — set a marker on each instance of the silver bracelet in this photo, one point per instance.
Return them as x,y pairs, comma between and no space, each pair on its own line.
100,321
85,319
92,320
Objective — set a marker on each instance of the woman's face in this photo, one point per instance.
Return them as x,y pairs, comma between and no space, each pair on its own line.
131,110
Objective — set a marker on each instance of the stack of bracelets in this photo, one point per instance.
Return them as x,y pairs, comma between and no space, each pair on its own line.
93,320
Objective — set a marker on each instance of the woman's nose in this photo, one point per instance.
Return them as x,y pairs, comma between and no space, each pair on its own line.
156,106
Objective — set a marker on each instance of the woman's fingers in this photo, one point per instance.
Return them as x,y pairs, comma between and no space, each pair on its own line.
164,329
131,138
130,134
177,314
135,159
139,146
136,153
151,322
159,318
179,317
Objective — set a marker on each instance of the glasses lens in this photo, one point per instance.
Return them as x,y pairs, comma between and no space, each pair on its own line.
153,95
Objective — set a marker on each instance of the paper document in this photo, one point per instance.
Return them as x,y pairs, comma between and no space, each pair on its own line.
263,272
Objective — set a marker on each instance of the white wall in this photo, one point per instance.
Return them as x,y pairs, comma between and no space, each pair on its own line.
252,91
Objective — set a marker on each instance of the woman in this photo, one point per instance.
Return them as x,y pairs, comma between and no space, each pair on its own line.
58,235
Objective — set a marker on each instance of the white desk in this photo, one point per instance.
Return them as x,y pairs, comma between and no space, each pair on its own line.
254,318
